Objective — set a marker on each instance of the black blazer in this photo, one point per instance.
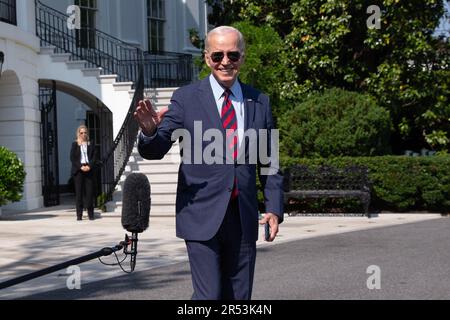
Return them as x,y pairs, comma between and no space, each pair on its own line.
75,157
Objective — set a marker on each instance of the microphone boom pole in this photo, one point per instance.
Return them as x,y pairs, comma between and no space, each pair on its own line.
133,252
135,219
101,253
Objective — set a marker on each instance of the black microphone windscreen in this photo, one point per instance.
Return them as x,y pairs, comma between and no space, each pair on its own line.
136,203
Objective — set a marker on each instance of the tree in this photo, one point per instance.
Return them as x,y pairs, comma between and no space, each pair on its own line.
329,44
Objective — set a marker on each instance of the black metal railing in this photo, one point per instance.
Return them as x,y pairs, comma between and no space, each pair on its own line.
113,164
167,69
49,145
128,62
99,49
8,11
114,57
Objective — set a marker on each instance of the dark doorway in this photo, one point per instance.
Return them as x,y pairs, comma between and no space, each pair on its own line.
99,121
49,145
99,124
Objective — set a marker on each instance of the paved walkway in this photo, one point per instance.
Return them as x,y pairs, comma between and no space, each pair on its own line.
36,240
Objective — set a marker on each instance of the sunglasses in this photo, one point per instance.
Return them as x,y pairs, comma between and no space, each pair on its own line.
233,56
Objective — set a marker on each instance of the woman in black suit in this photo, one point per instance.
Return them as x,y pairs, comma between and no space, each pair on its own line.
82,156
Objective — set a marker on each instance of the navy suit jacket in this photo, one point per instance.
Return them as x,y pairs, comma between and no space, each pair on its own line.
204,190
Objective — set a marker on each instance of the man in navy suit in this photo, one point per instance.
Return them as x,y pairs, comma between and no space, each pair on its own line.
216,206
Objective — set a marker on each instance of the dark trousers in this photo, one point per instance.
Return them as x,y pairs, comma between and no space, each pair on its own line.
84,190
223,267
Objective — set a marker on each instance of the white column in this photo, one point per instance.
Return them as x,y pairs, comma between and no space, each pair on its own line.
26,15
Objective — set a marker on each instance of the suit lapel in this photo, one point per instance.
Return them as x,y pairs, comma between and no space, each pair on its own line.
208,103
249,117
249,107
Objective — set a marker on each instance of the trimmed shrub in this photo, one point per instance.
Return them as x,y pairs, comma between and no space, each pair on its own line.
400,183
335,123
12,176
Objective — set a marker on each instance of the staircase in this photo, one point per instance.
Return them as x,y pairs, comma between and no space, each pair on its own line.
115,73
162,174
64,68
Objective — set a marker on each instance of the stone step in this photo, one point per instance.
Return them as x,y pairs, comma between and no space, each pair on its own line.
107,78
156,188
170,177
160,93
47,50
174,151
168,89
60,57
170,162
160,100
171,157
92,72
155,209
76,64
163,177
156,98
149,170
122,86
160,106
157,198
154,204
155,167
175,147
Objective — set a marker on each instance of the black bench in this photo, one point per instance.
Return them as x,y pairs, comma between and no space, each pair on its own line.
301,182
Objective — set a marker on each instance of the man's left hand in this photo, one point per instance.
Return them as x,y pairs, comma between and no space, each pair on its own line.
272,219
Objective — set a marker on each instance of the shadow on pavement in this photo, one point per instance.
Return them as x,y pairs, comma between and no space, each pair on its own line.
26,217
132,286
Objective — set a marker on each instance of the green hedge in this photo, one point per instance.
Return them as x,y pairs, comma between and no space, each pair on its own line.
334,123
400,183
12,176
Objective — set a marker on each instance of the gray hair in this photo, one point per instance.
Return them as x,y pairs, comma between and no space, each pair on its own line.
223,30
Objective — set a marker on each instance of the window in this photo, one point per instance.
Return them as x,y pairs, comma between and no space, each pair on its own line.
93,123
8,11
155,20
86,35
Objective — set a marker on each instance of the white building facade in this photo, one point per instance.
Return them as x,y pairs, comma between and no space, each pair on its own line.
54,78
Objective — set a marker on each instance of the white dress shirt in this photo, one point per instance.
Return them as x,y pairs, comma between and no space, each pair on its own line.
84,154
237,99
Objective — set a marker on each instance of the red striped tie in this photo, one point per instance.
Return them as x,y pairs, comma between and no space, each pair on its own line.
229,122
